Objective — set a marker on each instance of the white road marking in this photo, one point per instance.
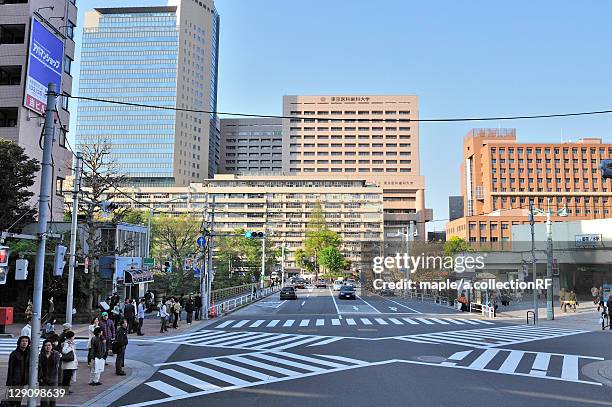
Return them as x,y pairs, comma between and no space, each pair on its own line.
410,321
334,300
287,362
257,323
324,342
335,322
289,322
351,321
570,367
185,378
213,373
454,321
366,321
303,302
512,361
423,320
241,323
166,388
396,321
540,364
320,322
304,322
405,306
356,308
381,321
439,321
224,324
369,304
273,323
393,309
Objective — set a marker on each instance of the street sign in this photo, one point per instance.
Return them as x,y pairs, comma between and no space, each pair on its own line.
196,272
188,264
201,241
148,262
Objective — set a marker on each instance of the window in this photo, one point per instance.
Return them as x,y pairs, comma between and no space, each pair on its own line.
67,64
59,186
70,29
65,98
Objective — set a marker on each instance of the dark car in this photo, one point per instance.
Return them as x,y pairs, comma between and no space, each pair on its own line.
321,283
347,291
288,293
299,283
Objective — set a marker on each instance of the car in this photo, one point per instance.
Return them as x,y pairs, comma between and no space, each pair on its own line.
347,291
288,293
321,283
351,281
299,283
337,285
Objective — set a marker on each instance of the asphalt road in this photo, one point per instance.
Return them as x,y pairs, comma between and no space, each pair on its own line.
371,350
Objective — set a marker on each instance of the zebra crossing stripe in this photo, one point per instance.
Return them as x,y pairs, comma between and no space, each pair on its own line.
223,338
166,388
224,324
190,380
313,360
241,323
570,367
342,358
326,341
457,357
287,362
484,359
273,323
454,321
512,361
297,343
335,321
272,368
257,323
289,322
213,373
423,320
471,322
351,321
395,321
320,322
264,340
304,322
249,338
242,370
381,321
439,321
366,321
540,364
410,321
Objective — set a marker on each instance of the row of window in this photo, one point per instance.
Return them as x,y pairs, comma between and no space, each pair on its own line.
125,127
335,169
349,129
359,112
568,188
566,161
349,161
131,53
350,153
350,137
139,44
350,145
547,150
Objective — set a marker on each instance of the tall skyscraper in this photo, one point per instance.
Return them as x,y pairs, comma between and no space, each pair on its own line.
34,25
500,177
163,56
361,136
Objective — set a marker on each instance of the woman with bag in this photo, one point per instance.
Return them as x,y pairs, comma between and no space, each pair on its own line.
69,361
49,363
94,324
97,352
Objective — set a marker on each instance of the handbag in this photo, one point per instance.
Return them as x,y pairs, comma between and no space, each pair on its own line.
116,347
98,365
68,357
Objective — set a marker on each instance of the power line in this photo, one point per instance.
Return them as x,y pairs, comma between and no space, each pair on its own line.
441,120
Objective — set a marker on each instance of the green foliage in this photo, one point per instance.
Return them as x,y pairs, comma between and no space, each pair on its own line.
17,172
134,216
318,237
456,245
332,259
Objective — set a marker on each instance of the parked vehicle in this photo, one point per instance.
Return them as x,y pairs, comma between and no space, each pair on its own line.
321,283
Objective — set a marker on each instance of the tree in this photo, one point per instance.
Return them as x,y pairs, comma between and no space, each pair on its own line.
456,245
17,173
318,237
174,239
332,259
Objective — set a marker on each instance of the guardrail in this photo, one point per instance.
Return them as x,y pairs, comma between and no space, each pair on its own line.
230,292
486,311
234,303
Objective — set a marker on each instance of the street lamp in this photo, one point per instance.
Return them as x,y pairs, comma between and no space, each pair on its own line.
151,210
410,235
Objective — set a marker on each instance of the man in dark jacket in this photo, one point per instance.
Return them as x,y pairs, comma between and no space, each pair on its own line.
49,366
98,352
119,346
108,332
19,365
189,305
198,306
129,312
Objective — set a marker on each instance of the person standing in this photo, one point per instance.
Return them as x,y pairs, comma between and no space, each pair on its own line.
65,328
129,313
94,324
176,310
119,347
189,310
27,329
198,306
163,314
19,365
140,315
49,363
69,360
108,333
98,353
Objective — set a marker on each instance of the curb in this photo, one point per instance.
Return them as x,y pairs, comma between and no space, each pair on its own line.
599,371
140,372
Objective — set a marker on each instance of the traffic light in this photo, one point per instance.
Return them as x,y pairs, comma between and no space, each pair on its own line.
167,267
254,235
58,262
4,258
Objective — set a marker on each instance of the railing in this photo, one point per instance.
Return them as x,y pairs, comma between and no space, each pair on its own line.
234,303
486,311
224,293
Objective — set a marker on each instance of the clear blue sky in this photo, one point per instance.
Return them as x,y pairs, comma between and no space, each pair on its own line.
462,58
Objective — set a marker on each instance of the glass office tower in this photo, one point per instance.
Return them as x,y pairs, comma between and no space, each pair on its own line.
156,56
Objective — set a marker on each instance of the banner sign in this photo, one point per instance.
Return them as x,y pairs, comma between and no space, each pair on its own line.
45,59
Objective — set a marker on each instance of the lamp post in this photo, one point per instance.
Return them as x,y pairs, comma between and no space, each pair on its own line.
410,235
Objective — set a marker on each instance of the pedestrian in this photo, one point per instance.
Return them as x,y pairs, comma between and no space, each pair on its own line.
49,364
140,314
198,306
170,310
98,352
116,314
50,309
163,314
189,310
563,299
108,333
69,360
94,324
119,346
595,294
129,313
65,329
55,341
50,328
19,366
27,329
176,310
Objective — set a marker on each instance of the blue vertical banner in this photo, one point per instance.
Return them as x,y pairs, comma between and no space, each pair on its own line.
45,59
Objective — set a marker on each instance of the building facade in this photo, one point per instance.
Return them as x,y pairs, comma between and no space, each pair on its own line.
280,205
500,177
162,56
455,207
251,146
364,137
18,123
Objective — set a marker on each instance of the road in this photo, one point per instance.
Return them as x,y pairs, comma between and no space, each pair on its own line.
319,349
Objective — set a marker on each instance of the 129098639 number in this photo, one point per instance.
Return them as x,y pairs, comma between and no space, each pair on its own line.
14,393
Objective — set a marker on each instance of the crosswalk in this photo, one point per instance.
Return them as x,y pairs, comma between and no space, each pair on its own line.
7,345
491,337
337,322
248,340
523,363
197,377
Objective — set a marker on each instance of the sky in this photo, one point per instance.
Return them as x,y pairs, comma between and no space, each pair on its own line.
461,58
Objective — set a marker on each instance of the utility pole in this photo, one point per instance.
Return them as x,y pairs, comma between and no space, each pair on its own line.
550,312
263,262
43,216
76,187
203,264
283,265
535,291
209,272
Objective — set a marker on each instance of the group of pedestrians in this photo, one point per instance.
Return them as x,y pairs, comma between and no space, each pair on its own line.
57,363
170,309
105,339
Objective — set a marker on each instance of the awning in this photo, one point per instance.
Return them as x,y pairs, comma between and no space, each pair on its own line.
137,276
